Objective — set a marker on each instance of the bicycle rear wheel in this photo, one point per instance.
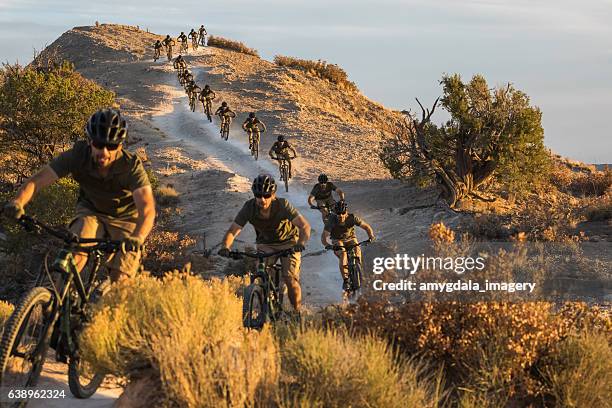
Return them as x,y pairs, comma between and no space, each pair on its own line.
24,342
253,307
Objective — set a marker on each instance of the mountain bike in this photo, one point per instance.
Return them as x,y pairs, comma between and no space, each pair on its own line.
53,313
194,42
262,300
202,39
207,104
156,54
225,125
355,268
193,100
284,170
169,51
184,47
327,210
254,137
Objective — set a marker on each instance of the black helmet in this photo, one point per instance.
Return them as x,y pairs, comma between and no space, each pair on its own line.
224,104
280,138
182,33
323,178
340,207
167,35
263,184
252,115
206,86
106,126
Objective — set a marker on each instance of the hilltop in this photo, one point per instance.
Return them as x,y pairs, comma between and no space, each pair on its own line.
334,129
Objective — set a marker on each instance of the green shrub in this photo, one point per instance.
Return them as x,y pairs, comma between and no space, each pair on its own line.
221,42
579,374
43,113
332,369
320,69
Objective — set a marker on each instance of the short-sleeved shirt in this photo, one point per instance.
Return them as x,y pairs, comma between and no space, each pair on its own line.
252,123
323,191
281,147
274,230
342,231
110,195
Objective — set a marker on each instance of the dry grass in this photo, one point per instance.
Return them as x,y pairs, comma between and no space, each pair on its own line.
5,312
582,182
579,374
320,69
333,369
221,42
166,196
600,209
190,333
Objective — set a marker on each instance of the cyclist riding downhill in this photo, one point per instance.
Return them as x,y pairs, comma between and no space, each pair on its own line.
183,40
168,43
157,50
254,127
192,92
322,193
186,78
281,151
340,227
180,64
206,97
225,114
203,36
278,226
194,39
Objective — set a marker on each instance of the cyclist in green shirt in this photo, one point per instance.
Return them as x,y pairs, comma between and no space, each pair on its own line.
252,126
340,227
115,197
278,226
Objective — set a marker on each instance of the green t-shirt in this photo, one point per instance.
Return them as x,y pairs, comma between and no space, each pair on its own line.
276,229
342,231
323,192
110,195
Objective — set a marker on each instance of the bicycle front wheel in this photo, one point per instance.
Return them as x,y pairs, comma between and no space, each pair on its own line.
253,307
83,380
24,342
355,274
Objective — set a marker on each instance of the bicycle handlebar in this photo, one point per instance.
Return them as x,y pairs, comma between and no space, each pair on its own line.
259,254
347,247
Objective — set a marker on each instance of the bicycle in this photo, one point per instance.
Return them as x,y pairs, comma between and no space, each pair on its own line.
53,315
254,136
284,170
184,47
207,103
355,268
225,124
156,54
327,210
262,299
169,52
193,98
194,42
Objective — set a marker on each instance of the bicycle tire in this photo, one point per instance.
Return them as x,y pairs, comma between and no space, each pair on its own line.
226,131
253,294
286,178
14,330
355,274
78,388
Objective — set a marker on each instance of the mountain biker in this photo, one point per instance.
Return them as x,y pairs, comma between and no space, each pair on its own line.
186,78
179,63
115,197
251,126
341,228
282,149
202,33
168,42
182,39
225,113
206,97
157,47
194,37
192,91
278,226
322,193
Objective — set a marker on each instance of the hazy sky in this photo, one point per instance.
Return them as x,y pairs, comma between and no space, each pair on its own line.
557,51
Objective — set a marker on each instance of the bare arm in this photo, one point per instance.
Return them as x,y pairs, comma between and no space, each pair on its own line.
145,203
230,235
43,178
366,227
263,126
304,228
340,193
325,238
311,200
293,151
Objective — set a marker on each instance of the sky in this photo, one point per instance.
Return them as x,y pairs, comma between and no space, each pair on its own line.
559,52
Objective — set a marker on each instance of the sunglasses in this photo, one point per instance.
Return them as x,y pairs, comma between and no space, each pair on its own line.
101,146
263,195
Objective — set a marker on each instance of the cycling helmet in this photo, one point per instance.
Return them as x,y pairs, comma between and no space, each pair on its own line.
182,33
167,35
323,178
264,184
281,138
206,86
252,115
340,207
224,104
106,126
